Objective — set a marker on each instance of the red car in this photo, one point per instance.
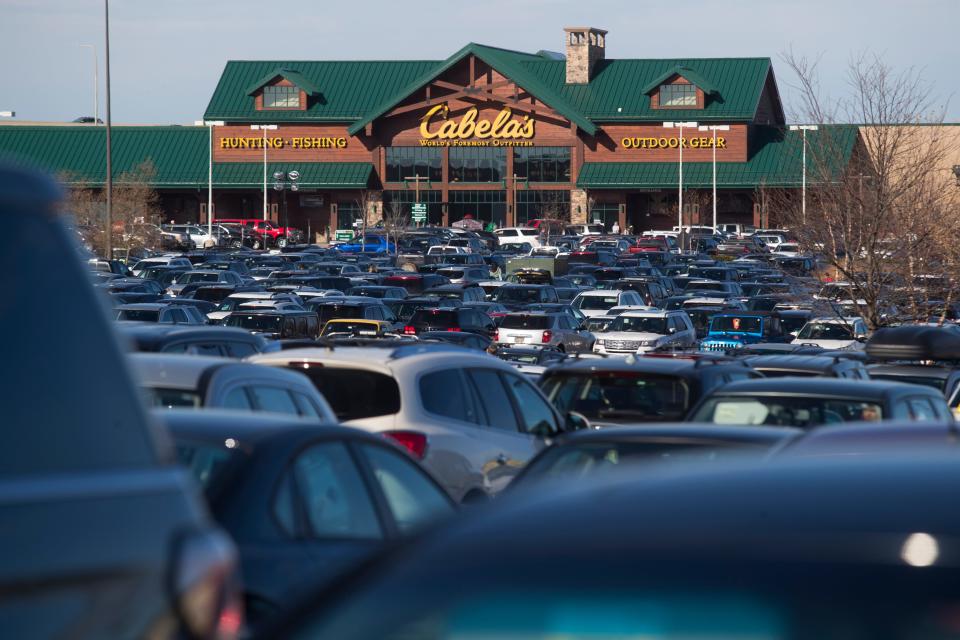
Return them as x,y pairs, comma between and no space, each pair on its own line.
267,229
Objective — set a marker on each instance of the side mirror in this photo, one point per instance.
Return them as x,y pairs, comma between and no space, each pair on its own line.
574,421
861,338
672,330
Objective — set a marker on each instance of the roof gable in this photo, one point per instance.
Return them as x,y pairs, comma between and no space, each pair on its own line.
295,77
684,72
504,61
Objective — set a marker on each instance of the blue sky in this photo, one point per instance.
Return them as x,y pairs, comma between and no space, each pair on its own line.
168,54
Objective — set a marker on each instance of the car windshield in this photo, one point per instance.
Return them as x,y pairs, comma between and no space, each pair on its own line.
825,331
207,462
525,322
355,393
259,322
435,318
705,286
639,325
597,303
192,276
617,394
350,328
791,324
517,294
331,311
736,324
173,398
786,411
139,315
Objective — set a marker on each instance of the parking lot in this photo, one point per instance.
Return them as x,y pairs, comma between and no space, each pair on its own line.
436,423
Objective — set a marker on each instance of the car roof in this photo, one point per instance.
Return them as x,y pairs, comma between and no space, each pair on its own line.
142,306
247,426
866,438
822,387
794,362
152,332
665,366
926,371
688,430
382,358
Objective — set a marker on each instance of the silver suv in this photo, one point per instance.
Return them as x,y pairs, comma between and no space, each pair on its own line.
544,329
471,419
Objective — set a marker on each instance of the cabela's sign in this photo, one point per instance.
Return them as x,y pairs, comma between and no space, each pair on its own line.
284,143
502,131
672,143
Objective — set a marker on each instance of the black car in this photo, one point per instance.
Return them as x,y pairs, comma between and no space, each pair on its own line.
456,319
517,296
406,307
229,342
277,324
462,338
415,283
812,402
377,291
303,502
804,549
620,391
352,307
102,537
588,452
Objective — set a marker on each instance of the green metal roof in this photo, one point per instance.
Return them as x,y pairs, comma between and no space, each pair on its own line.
360,91
295,77
684,72
313,175
77,153
346,89
775,162
180,156
509,63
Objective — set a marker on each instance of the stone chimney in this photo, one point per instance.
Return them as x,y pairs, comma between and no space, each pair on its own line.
585,45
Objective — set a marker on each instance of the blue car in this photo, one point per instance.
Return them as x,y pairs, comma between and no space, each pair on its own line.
736,329
372,243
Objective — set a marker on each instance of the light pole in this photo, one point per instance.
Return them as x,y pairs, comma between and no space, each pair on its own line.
714,128
281,181
109,186
803,128
264,128
516,209
681,126
96,84
210,124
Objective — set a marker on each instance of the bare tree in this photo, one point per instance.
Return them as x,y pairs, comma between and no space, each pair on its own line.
396,218
877,208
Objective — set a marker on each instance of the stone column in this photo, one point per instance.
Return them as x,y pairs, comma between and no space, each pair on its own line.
578,206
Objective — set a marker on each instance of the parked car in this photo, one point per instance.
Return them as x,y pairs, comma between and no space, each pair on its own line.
643,331
557,330
460,292
597,303
470,419
517,235
455,319
811,402
622,391
369,243
834,333
797,366
516,296
276,324
303,503
160,313
733,330
102,537
207,341
195,382
464,339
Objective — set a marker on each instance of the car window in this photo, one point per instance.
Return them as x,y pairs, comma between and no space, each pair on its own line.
413,499
237,399
536,415
176,315
921,409
240,349
335,500
305,405
442,393
497,409
274,400
196,348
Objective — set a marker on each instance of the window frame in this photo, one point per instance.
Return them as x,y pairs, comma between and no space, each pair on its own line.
276,90
682,90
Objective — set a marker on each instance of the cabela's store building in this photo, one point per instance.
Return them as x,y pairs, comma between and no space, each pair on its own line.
501,135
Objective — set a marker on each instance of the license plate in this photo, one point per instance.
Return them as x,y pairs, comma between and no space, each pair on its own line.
519,339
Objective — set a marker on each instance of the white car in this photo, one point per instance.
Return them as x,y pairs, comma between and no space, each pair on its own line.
516,235
599,302
472,420
197,233
595,229
787,249
234,300
834,333
161,261
643,331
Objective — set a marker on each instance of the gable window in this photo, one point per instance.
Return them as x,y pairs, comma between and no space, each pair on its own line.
678,95
281,97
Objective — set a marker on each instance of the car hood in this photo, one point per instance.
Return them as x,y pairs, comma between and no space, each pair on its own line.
632,336
832,344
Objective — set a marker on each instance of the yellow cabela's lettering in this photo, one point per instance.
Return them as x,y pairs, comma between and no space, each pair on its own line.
503,125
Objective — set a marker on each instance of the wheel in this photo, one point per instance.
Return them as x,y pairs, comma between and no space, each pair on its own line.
281,242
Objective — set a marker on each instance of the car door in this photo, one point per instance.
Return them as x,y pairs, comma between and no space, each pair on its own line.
323,503
502,427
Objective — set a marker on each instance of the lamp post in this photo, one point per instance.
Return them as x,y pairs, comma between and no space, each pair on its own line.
283,180
681,126
96,84
803,128
714,128
264,128
516,209
109,185
210,124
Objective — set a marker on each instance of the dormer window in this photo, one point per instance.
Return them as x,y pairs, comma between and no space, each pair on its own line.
281,97
678,95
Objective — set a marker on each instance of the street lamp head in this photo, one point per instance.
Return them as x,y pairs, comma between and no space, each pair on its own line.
278,175
8,114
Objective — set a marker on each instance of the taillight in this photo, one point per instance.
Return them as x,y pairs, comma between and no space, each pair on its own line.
204,585
413,441
496,335
454,329
547,336
409,331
